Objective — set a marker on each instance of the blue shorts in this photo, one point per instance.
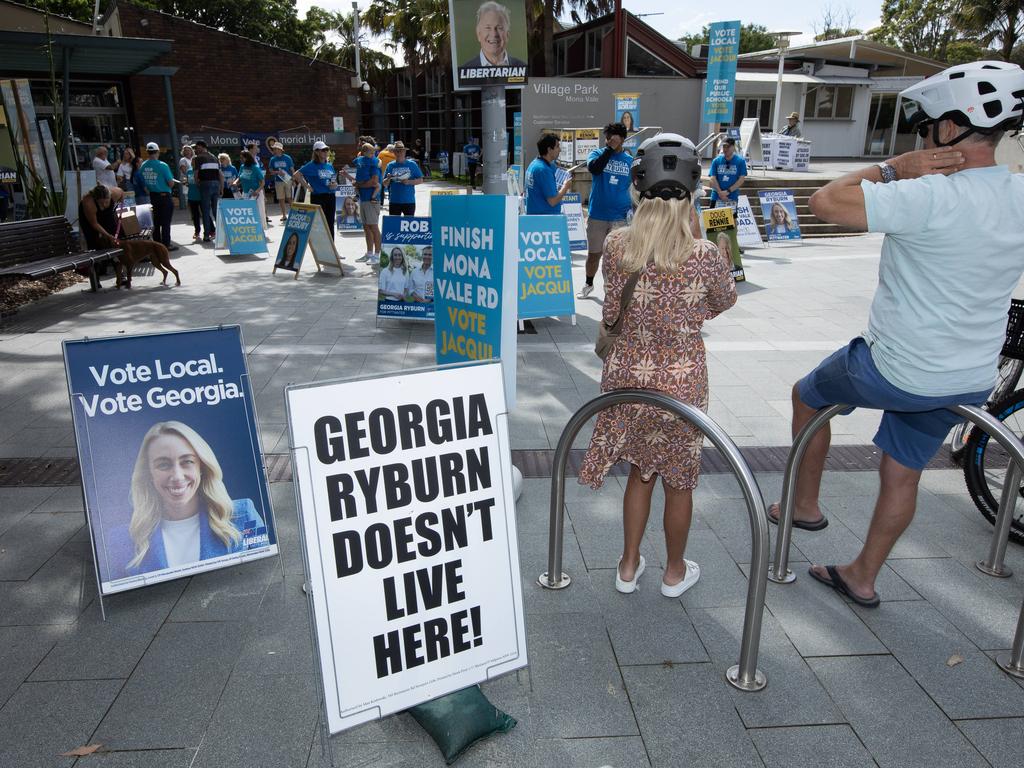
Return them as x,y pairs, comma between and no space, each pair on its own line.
913,426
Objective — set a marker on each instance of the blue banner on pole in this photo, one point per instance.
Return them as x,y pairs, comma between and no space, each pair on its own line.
239,228
170,457
720,86
405,285
545,268
475,239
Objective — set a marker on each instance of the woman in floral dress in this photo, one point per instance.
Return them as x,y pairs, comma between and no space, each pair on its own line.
682,283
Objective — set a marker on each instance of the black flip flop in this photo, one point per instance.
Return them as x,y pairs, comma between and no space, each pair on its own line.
817,525
836,582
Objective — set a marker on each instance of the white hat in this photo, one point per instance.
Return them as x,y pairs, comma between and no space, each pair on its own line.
319,145
152,147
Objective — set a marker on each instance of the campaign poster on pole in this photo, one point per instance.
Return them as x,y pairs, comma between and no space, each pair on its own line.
405,287
572,209
517,138
404,489
488,43
476,239
239,229
720,86
346,207
748,234
545,268
566,154
169,451
295,238
778,209
587,140
720,229
627,111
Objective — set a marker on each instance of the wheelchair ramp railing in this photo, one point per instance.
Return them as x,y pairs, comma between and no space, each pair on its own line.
745,676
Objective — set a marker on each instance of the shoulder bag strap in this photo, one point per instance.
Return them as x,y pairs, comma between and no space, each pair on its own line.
627,296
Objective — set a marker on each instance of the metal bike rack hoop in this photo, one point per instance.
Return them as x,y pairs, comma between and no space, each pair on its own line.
745,676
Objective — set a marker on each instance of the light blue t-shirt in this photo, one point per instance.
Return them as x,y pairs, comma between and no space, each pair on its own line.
609,194
282,163
407,169
251,177
366,169
541,185
319,176
157,175
472,152
951,258
727,171
194,195
230,174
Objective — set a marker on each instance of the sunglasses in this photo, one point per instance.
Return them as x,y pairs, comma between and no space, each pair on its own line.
923,128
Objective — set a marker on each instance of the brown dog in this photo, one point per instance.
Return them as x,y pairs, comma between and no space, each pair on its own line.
134,251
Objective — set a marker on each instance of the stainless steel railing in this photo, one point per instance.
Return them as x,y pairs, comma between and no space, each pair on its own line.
745,675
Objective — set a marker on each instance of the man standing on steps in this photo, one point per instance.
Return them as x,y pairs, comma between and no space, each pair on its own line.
610,201
950,261
727,174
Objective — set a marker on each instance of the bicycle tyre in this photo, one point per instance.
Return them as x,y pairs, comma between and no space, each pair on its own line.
1009,374
984,464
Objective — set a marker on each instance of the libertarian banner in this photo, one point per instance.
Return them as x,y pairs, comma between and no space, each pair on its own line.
169,452
720,229
545,268
406,504
778,209
405,285
239,228
720,86
489,39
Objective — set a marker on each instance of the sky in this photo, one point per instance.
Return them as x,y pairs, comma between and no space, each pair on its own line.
681,18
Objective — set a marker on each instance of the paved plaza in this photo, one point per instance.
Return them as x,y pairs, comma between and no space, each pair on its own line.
217,671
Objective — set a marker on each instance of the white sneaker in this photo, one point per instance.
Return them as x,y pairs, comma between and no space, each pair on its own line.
625,587
691,578
364,257
585,291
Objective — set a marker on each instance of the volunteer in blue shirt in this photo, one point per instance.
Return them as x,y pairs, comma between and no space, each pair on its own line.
728,171
472,153
610,201
543,195
320,178
250,179
281,169
159,184
401,177
368,181
230,173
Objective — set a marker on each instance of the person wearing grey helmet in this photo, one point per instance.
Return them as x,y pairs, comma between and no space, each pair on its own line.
663,284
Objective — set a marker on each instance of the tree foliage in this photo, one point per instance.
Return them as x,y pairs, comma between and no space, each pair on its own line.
924,27
753,37
994,21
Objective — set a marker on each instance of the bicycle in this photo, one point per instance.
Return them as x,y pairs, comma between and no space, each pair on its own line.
984,461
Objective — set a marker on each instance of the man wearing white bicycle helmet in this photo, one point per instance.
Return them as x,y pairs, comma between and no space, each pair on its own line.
951,257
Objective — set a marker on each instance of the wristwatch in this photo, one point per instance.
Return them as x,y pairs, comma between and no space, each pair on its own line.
888,172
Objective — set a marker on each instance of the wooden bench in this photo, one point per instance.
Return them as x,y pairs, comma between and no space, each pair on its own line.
36,248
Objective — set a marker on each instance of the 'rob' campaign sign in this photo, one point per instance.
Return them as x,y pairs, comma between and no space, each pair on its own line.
405,497
169,454
720,86
475,249
545,268
405,283
239,228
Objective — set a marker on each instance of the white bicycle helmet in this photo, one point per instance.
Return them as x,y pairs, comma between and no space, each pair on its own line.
666,166
985,96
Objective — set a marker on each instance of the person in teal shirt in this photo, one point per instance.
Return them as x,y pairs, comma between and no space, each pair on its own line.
159,181
401,177
229,171
195,200
250,179
281,169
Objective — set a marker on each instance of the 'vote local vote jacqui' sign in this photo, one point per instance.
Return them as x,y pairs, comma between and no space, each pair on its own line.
239,228
405,496
545,268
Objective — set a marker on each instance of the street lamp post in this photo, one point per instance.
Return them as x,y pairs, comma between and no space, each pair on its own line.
782,39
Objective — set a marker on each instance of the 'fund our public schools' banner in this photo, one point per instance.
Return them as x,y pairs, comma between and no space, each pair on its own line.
239,228
720,229
545,268
476,243
572,209
169,454
720,86
404,490
488,43
294,239
778,209
405,285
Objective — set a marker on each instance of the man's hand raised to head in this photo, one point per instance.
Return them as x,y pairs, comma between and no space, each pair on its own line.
922,162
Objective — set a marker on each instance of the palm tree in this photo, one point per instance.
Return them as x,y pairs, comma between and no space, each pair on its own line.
375,66
544,13
1001,20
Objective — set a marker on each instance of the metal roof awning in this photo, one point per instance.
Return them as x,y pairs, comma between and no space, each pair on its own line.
25,52
800,77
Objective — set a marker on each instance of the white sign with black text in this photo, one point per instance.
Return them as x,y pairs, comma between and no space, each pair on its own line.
404,490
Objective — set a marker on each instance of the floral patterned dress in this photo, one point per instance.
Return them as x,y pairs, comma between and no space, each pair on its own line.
659,348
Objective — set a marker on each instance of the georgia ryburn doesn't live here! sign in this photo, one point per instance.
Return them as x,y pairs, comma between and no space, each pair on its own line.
404,488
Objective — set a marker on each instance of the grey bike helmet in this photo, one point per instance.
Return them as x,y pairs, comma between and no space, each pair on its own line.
666,166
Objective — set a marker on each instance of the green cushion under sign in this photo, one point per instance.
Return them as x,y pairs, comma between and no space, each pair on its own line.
457,721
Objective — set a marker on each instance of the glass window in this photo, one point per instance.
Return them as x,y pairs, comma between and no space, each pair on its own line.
642,63
829,102
560,59
844,102
593,43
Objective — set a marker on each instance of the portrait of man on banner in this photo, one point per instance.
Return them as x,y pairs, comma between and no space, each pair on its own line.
489,38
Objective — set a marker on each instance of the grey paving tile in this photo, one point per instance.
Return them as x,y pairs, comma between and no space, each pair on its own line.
33,540
262,720
834,745
228,594
155,758
16,503
795,696
169,699
42,720
903,727
21,650
580,596
281,641
623,752
56,594
601,543
1001,741
722,583
686,717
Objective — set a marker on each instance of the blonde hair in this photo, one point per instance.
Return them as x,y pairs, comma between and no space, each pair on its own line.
785,215
146,504
224,156
660,229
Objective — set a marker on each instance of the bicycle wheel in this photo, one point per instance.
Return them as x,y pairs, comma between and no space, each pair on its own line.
986,462
1009,374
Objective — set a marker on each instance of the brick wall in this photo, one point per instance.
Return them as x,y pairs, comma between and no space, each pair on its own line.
229,82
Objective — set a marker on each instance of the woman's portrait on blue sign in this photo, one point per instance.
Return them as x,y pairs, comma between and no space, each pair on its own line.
781,224
181,510
288,253
394,277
